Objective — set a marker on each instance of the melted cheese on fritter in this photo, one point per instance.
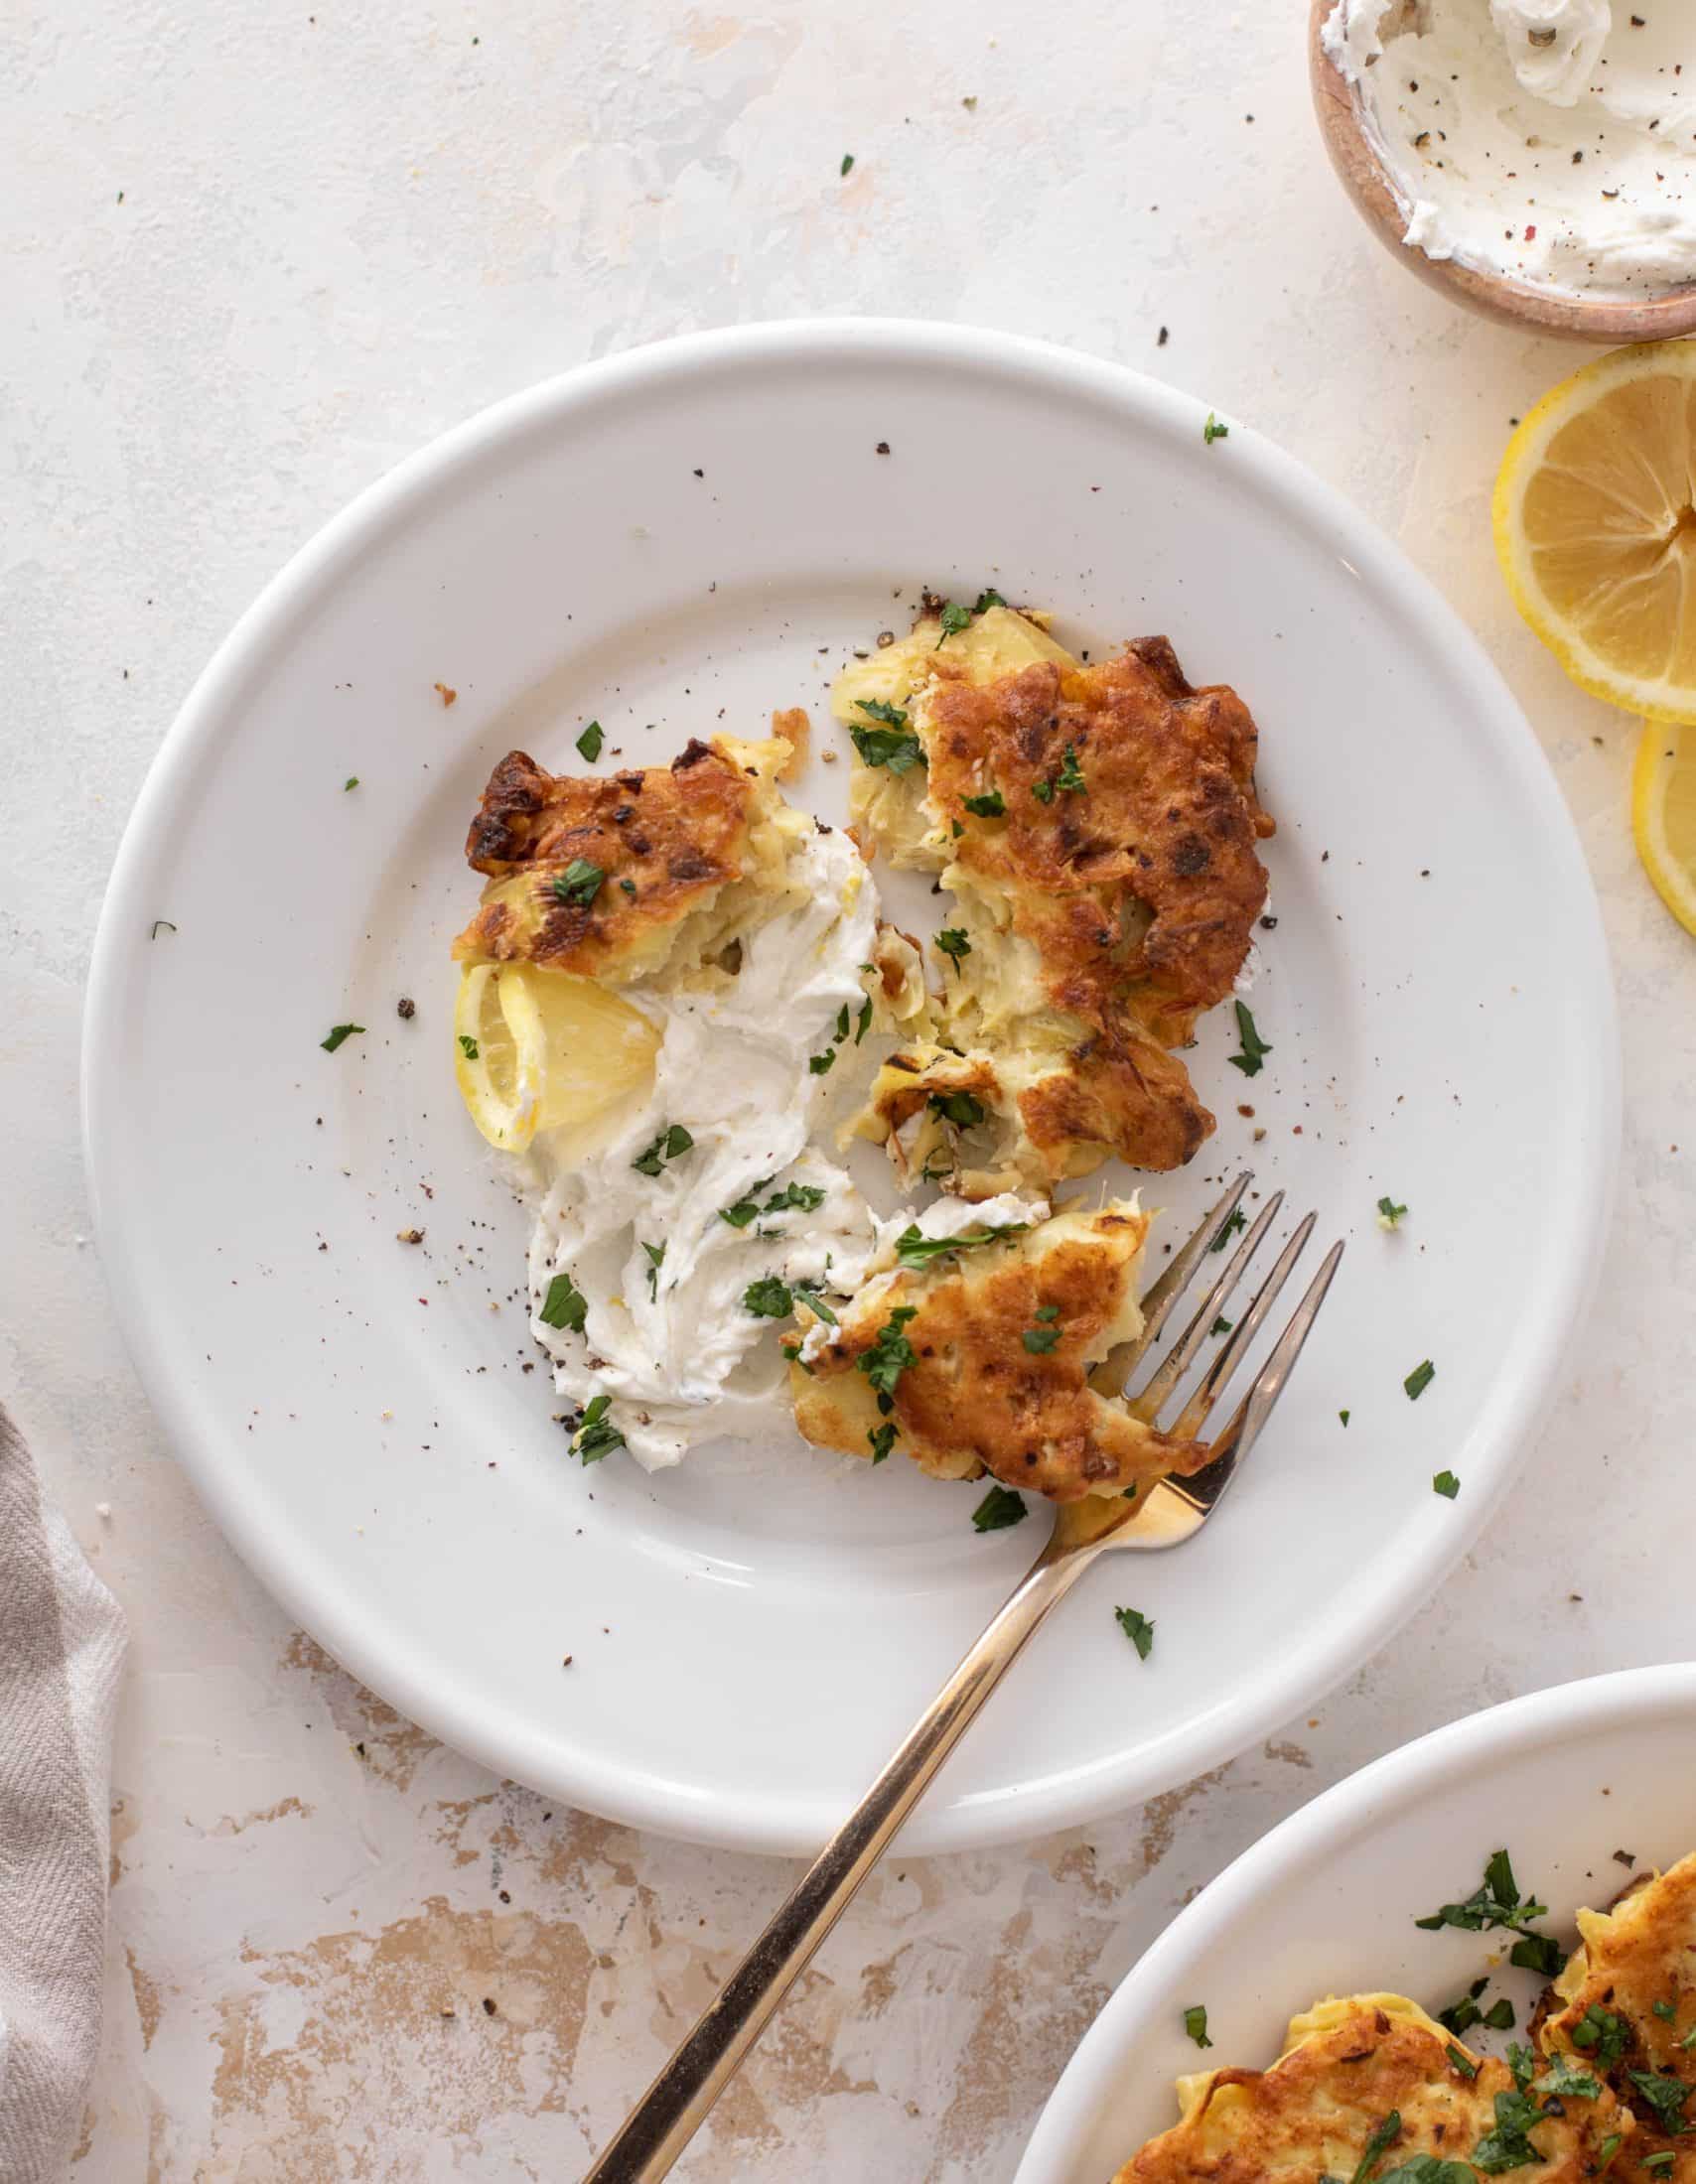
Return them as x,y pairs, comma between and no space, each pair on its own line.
1347,2066
1636,1966
1112,897
975,1396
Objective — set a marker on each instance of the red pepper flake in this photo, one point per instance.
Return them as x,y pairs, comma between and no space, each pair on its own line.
1530,234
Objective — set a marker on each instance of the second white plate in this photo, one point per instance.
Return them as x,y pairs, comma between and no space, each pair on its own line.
697,533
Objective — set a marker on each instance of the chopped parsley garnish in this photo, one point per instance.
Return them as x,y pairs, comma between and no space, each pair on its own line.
959,1108
579,884
1599,2033
1662,2160
894,744
990,805
1419,1380
863,1021
987,598
999,1508
673,1141
914,1250
847,167
1508,2146
1140,1631
1537,1952
891,1353
352,781
629,887
1689,2039
1459,2017
822,1064
803,1197
954,620
1253,1059
882,1440
1390,1215
1425,2168
1496,1901
595,1434
1043,791
1379,2139
1523,2063
1665,2011
1212,430
952,942
808,1293
590,741
656,1260
467,1047
339,1032
955,829
565,1306
743,1212
1221,1325
1040,1341
1237,1222
1446,1484
1605,2153
1499,2016
768,1299
1564,2078
1344,1416
1196,2018
1070,774
1667,2095
1461,2062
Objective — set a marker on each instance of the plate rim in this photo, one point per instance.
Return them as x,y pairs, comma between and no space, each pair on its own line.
1523,1394
1328,1823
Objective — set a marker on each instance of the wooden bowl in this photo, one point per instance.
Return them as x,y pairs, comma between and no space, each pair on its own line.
1497,295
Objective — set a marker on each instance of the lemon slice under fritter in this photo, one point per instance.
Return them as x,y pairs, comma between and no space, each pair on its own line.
1663,814
1595,516
539,1049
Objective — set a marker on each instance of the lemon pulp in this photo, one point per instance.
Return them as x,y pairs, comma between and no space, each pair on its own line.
543,1050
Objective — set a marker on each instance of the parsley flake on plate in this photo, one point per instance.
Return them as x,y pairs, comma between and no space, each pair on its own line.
1040,1341
1140,1631
954,620
1379,2139
999,1508
891,1354
596,1436
467,1047
1212,430
951,942
987,598
959,1108
882,1441
768,1299
1419,1380
1566,2078
339,1032
1599,2033
990,805
1071,775
1043,791
590,741
579,884
1195,2018
863,1021
1253,1059
1446,1484
847,165
1237,1222
914,1250
1390,1215
1496,1902
822,1064
894,744
1460,2061
656,1260
352,781
1665,2096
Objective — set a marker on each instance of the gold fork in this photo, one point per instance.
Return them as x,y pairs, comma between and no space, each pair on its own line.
677,2103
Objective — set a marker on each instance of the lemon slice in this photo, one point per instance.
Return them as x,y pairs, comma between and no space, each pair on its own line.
541,1049
1663,814
1595,516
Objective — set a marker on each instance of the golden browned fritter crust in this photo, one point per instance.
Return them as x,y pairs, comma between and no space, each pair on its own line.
667,838
1140,892
1633,1978
1314,2111
975,1398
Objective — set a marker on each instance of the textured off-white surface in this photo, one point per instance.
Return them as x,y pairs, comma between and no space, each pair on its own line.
336,237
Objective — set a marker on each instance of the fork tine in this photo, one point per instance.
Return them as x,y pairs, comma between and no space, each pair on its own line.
1242,1430
1170,1370
1218,1376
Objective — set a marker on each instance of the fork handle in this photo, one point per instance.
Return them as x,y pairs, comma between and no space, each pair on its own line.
677,2103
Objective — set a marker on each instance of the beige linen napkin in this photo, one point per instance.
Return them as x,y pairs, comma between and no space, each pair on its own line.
62,1647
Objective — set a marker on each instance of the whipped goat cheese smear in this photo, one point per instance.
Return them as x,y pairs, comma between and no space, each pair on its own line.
1550,140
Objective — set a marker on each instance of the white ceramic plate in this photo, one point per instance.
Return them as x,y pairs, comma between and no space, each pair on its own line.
1325,1903
700,531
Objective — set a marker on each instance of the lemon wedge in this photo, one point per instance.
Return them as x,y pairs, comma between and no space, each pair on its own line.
539,1049
1663,814
1595,516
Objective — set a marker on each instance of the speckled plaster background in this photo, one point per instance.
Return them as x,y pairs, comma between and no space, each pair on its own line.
254,254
